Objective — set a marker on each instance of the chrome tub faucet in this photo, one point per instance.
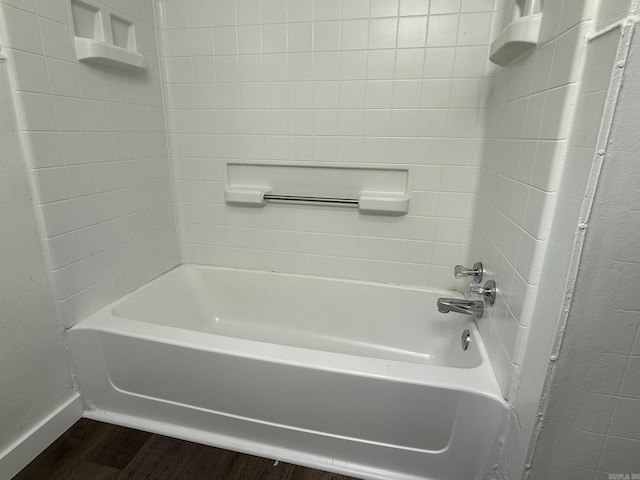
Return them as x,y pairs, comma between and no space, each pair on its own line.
470,307
457,305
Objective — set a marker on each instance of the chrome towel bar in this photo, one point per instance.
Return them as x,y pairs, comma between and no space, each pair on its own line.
270,197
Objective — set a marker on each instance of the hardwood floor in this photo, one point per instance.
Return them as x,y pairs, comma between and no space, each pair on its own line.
92,450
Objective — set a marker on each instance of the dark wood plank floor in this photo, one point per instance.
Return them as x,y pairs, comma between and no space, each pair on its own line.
92,450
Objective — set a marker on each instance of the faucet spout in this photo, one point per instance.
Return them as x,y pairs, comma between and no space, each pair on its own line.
456,305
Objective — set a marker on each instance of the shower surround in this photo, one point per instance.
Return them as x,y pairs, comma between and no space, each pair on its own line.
495,171
361,83
96,153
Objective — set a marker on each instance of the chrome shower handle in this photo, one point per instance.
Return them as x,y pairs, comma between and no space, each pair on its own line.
476,272
486,291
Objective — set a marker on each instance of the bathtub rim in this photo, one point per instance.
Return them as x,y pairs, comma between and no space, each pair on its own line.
188,266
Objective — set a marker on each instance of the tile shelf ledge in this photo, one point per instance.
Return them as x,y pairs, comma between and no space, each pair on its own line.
520,36
106,55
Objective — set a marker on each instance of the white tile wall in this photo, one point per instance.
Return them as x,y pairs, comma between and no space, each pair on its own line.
34,372
359,82
552,287
529,111
96,143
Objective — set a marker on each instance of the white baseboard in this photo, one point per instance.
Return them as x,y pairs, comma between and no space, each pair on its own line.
33,442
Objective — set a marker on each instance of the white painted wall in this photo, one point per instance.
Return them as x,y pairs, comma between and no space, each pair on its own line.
396,83
34,375
591,428
96,149
610,11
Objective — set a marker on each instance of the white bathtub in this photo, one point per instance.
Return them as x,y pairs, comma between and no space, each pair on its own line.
351,377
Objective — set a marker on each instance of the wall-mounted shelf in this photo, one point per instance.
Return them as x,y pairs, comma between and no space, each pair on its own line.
105,38
105,55
520,36
376,191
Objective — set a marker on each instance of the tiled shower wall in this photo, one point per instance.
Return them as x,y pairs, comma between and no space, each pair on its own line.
96,149
555,284
34,372
359,82
530,108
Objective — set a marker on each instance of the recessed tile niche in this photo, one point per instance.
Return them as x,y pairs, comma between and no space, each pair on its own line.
105,38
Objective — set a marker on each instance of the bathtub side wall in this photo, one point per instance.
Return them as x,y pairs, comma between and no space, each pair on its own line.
530,109
96,152
456,424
